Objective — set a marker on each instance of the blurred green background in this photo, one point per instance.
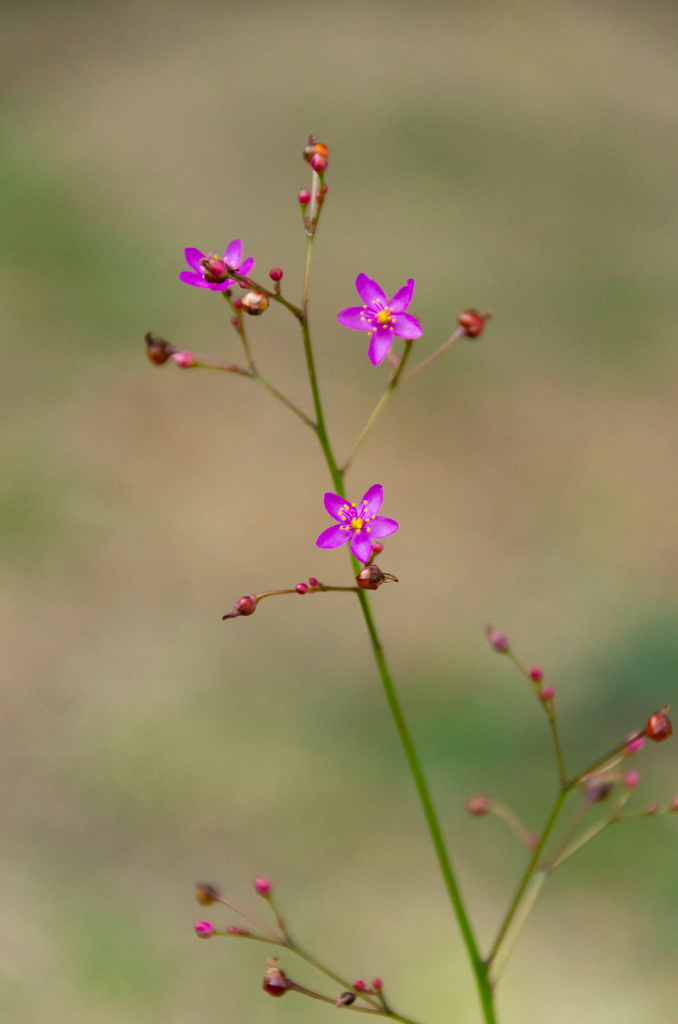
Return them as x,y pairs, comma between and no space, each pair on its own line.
519,157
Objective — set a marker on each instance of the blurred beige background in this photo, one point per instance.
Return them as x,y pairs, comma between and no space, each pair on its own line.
519,157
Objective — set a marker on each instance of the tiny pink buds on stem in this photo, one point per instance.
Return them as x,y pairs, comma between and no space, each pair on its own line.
301,588
234,930
478,806
377,984
204,930
254,303
263,886
312,581
235,321
319,163
206,894
497,640
184,359
536,674
546,694
377,547
245,606
674,804
659,727
631,780
275,274
237,303
359,986
304,197
371,577
635,745
157,349
473,322
275,982
345,999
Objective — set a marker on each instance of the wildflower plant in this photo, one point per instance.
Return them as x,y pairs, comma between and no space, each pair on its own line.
604,783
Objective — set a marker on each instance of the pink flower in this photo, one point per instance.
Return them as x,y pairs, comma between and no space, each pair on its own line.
206,271
262,885
384,319
204,930
358,523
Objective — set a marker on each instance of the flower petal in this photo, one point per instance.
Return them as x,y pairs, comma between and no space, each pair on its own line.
220,286
333,538
369,291
382,527
233,254
406,326
402,298
190,277
380,343
193,257
361,545
373,499
334,504
245,267
356,317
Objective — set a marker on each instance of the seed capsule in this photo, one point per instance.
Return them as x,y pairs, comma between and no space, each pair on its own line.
275,982
473,322
346,998
659,727
244,606
372,577
254,303
157,349
206,894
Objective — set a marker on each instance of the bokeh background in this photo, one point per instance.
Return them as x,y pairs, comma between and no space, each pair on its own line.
519,157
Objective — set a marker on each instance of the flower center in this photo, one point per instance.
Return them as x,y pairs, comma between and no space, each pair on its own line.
384,316
356,523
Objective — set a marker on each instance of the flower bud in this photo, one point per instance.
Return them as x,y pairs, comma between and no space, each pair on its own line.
359,986
346,998
532,840
631,780
262,885
546,694
204,930
473,322
497,640
635,745
674,804
377,547
237,303
377,984
536,674
312,581
319,163
275,274
214,270
372,577
157,349
597,789
275,982
478,806
235,321
651,808
234,930
314,148
245,606
254,303
304,197
184,359
659,727
301,588
206,894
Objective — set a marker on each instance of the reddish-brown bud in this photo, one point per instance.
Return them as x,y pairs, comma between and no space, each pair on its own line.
301,588
304,197
254,303
346,998
275,274
371,577
659,727
473,322
206,894
245,606
314,149
478,806
157,349
275,982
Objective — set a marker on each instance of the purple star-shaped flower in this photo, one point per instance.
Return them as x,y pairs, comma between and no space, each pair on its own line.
206,271
359,523
383,319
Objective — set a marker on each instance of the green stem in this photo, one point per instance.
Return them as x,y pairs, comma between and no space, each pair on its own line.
307,271
321,430
380,405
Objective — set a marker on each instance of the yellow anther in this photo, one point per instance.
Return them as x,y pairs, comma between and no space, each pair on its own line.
356,523
384,316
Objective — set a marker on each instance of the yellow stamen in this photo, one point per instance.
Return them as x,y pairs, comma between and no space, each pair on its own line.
384,316
356,523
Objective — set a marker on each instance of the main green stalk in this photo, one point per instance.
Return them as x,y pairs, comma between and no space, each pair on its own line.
480,969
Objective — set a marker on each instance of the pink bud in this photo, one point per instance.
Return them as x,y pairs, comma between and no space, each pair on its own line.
243,606
275,274
377,984
497,640
651,808
237,303
301,588
633,747
674,804
262,885
312,581
304,197
532,840
184,359
377,547
547,693
234,930
477,806
235,321
536,674
324,188
319,163
215,270
204,930
359,986
631,780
